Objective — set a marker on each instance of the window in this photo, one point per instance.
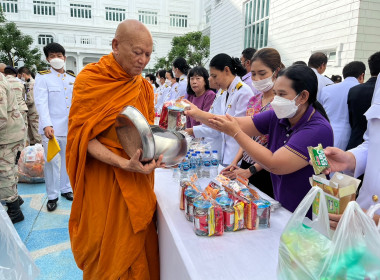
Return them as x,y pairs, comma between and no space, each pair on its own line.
178,20
80,11
208,16
115,14
85,41
256,23
44,8
147,17
9,6
44,39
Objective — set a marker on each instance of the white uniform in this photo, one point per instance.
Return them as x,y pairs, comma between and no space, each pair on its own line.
367,155
52,94
234,102
182,86
212,136
334,100
322,81
173,92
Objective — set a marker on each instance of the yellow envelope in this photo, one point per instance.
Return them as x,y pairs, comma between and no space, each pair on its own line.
53,148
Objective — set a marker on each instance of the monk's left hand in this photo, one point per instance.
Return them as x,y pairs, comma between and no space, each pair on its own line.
135,165
226,124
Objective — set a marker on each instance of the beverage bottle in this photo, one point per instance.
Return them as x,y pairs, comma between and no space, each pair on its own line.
193,163
206,165
199,164
214,164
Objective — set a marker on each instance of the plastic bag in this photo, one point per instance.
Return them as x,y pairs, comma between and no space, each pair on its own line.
31,165
355,251
372,211
304,244
15,261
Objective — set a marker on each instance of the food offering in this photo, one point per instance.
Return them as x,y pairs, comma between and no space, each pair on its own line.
31,164
224,205
318,159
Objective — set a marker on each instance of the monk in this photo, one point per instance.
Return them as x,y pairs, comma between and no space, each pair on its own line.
112,230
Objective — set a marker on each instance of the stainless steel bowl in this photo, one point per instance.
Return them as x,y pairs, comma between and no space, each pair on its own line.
135,133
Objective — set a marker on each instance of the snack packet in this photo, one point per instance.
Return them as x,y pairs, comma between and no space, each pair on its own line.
318,158
239,216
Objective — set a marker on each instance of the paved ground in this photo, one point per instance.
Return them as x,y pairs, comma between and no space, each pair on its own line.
46,235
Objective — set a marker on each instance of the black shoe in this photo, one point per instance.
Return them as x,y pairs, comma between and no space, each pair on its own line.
52,204
68,195
14,212
20,200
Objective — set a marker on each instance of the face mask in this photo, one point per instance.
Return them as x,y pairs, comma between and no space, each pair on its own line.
57,63
158,82
168,82
263,85
284,108
23,79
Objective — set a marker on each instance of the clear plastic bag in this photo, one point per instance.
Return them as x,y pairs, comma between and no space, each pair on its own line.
374,209
304,244
355,248
15,260
31,165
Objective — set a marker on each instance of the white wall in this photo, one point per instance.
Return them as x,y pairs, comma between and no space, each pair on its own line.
227,26
368,39
298,28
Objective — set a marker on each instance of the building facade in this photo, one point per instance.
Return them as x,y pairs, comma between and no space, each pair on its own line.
86,27
345,30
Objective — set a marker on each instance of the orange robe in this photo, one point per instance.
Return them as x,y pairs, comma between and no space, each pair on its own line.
111,226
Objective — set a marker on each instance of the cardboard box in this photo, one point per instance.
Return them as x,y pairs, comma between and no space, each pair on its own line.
339,191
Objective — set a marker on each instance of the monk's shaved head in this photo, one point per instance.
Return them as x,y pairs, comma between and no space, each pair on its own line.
132,46
2,67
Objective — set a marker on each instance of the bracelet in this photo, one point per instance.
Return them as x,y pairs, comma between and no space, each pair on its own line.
237,133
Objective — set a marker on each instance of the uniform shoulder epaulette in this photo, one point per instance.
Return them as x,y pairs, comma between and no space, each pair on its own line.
43,72
181,79
71,74
239,85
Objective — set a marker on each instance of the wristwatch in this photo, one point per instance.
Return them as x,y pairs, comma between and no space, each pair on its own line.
252,169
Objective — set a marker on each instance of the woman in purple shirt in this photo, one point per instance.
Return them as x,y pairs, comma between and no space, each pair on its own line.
199,92
296,122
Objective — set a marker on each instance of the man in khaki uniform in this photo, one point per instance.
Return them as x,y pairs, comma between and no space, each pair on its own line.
12,135
33,135
18,89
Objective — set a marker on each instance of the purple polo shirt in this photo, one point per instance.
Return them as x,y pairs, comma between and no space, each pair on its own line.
203,102
310,130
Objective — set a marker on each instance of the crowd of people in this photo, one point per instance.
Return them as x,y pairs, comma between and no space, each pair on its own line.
260,115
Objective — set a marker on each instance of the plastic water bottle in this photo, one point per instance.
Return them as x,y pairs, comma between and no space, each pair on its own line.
193,163
214,164
199,164
185,170
176,172
206,165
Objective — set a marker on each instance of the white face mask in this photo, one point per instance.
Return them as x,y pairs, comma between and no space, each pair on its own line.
168,82
263,85
23,79
158,82
284,108
57,63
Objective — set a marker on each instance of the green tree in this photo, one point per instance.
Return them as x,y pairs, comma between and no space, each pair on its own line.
15,46
193,46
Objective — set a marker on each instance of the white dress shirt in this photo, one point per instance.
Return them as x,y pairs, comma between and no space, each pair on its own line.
322,81
233,102
182,86
52,95
174,92
368,153
334,100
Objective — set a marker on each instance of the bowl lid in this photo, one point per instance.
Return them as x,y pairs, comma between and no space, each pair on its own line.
134,133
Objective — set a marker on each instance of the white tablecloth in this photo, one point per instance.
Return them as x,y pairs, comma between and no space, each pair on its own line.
245,254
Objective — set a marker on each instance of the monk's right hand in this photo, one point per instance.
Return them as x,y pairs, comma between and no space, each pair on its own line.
49,132
135,165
